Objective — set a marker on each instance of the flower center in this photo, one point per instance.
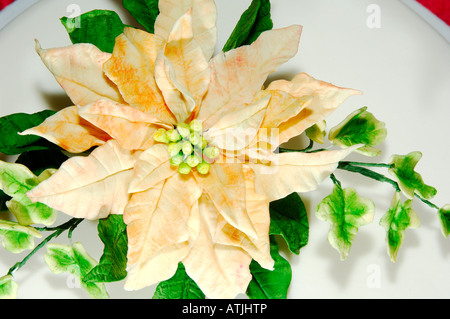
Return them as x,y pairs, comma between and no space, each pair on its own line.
187,148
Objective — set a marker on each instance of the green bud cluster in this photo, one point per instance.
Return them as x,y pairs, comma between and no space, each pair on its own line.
187,147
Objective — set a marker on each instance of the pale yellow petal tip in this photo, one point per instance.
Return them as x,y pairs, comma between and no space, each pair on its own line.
37,46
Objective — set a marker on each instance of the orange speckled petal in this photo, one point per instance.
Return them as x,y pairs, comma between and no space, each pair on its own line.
237,75
225,186
220,271
78,69
204,15
258,211
131,67
89,187
295,172
325,99
191,68
131,128
69,131
156,219
177,98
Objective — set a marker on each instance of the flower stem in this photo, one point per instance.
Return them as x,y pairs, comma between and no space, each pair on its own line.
351,167
368,164
356,167
69,225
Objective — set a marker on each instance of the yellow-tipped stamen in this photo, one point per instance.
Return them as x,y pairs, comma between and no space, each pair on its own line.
211,152
173,135
192,160
196,126
187,148
174,148
184,169
203,168
177,160
195,138
183,130
161,136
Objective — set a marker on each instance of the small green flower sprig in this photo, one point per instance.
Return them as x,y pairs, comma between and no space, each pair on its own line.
346,211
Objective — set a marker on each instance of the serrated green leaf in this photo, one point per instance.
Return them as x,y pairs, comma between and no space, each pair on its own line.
346,211
395,221
254,21
76,261
16,180
317,132
288,218
267,284
144,11
112,265
444,217
11,143
98,27
17,238
8,287
360,127
180,286
408,179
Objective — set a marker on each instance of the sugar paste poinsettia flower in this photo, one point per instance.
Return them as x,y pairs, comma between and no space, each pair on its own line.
185,144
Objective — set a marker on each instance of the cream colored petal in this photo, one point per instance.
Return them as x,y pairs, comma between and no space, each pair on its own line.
131,67
258,210
237,129
69,131
220,271
187,69
282,107
152,167
225,186
78,69
204,15
131,128
89,187
156,219
325,99
178,99
295,172
161,266
237,75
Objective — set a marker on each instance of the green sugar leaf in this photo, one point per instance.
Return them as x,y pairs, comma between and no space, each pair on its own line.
267,284
317,132
76,261
112,265
288,218
17,238
8,287
180,286
346,211
11,143
16,180
144,11
360,127
98,27
444,217
408,179
254,21
395,221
